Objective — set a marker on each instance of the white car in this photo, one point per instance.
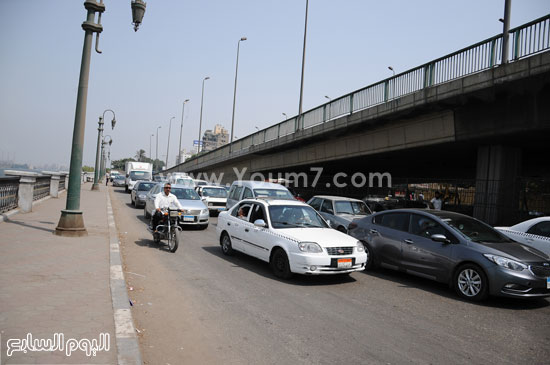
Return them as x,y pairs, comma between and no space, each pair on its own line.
533,232
291,236
215,197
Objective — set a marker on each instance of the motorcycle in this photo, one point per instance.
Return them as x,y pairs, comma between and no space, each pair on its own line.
168,229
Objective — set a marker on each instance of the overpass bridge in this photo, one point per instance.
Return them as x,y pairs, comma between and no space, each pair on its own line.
475,126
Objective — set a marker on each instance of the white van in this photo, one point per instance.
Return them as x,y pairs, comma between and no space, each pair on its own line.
181,180
247,189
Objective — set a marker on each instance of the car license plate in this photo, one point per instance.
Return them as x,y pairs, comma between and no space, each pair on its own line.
221,208
344,263
547,283
188,218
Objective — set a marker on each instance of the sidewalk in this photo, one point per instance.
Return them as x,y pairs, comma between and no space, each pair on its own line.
51,284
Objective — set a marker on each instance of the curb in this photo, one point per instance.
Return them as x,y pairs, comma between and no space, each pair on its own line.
126,340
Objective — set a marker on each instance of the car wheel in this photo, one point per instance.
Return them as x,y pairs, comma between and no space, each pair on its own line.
470,282
279,264
133,202
370,264
227,249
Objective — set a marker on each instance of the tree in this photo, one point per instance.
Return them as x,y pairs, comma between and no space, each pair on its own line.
120,164
140,155
87,169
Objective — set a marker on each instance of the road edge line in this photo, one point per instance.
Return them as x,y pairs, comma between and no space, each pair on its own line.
126,339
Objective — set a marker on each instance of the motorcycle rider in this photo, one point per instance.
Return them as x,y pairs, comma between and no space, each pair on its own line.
164,200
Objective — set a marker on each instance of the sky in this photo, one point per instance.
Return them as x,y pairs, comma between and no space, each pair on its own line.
145,76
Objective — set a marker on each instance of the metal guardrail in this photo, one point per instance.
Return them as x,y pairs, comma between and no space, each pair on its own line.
61,184
9,189
526,40
41,188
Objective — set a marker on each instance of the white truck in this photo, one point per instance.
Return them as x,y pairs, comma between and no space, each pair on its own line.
136,171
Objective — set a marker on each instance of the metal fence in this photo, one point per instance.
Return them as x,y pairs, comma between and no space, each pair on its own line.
525,40
9,189
61,184
41,188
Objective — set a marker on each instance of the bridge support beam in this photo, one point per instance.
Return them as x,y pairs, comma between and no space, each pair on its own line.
497,188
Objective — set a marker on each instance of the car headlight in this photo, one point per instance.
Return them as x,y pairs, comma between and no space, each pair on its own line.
142,196
309,247
360,247
204,211
506,263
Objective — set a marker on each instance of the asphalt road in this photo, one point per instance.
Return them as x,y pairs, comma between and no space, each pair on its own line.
197,305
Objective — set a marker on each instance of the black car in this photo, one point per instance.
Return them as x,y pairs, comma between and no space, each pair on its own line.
472,257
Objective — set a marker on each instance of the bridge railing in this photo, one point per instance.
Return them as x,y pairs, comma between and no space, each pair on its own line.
9,188
525,40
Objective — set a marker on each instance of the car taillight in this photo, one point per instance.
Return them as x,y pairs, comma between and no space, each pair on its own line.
352,225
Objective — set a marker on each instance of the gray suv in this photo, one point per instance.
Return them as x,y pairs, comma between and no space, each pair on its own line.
472,257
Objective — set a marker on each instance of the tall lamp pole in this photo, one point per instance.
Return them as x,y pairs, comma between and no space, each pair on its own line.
150,156
181,129
302,79
200,122
168,147
157,153
95,185
235,94
71,222
506,30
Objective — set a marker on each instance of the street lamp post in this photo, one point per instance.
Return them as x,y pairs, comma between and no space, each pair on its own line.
150,156
302,79
329,105
181,130
157,153
286,116
103,162
235,93
95,185
168,147
71,222
200,122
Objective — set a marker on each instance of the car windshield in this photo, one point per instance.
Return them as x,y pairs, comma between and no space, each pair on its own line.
185,194
140,175
292,216
145,186
214,192
351,207
474,230
185,182
119,178
273,193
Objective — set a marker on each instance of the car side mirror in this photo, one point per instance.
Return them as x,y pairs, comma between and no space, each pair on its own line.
439,238
260,223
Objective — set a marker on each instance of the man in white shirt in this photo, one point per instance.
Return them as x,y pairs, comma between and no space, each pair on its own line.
437,203
164,200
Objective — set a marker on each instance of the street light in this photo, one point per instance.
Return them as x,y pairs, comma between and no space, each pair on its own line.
95,185
392,70
150,156
235,93
286,116
71,222
168,147
302,80
329,106
181,129
157,153
200,122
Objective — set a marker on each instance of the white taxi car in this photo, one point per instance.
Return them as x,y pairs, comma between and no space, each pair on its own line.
291,236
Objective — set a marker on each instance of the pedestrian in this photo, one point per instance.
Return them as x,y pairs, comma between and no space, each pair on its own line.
436,202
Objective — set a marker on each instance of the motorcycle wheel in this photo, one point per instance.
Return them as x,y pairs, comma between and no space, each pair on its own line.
173,240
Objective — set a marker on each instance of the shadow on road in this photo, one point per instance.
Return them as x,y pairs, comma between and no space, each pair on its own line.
410,281
262,268
149,243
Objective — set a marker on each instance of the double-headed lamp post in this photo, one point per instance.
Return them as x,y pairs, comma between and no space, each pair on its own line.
95,185
103,162
71,222
168,147
235,93
200,119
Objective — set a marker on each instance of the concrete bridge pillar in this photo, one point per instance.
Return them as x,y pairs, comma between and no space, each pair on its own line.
26,189
497,189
